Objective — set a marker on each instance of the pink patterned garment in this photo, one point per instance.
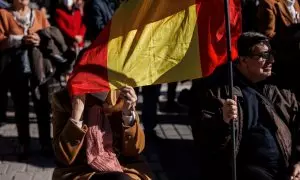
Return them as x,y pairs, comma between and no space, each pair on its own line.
99,142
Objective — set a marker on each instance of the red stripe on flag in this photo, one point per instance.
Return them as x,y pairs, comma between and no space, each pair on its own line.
90,73
212,33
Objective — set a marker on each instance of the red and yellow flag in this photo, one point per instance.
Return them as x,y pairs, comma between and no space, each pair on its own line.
157,41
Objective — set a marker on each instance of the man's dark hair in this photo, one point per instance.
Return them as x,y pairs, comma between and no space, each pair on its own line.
248,40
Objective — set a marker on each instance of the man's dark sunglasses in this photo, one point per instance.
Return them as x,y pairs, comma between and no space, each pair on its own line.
268,55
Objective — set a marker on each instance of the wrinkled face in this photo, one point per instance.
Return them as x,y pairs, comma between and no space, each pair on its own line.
259,63
21,2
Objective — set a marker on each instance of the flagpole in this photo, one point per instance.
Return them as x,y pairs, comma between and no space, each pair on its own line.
230,78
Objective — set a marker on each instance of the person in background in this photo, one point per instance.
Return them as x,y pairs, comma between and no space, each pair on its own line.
96,15
249,14
267,115
280,21
18,28
3,91
275,17
171,104
149,109
69,21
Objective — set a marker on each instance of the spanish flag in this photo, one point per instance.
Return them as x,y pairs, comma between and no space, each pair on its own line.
157,41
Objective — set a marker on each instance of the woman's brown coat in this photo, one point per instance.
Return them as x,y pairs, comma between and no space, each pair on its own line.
68,142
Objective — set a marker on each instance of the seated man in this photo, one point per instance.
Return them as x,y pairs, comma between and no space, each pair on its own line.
267,140
98,140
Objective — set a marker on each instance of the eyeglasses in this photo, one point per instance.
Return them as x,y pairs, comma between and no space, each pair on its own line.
268,55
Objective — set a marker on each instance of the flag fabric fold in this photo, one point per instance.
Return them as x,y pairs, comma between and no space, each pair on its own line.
153,41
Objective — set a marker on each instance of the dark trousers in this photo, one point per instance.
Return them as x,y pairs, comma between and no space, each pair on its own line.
3,101
150,100
18,84
111,176
172,92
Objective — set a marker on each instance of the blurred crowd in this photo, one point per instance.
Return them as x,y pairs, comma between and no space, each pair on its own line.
39,42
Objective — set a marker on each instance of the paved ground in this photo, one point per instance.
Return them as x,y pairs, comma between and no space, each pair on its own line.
170,156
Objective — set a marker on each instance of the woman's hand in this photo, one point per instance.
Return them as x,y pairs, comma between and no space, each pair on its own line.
130,99
77,107
32,39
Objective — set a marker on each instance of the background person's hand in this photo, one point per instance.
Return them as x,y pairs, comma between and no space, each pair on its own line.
32,39
130,99
296,172
230,110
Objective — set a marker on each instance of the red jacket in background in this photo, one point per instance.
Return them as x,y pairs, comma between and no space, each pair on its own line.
71,25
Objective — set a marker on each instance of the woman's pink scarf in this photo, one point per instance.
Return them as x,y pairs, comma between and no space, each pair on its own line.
99,142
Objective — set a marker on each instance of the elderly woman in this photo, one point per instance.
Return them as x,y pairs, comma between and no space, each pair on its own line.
98,136
18,33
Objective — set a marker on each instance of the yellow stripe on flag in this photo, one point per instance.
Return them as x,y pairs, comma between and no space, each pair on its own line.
147,39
